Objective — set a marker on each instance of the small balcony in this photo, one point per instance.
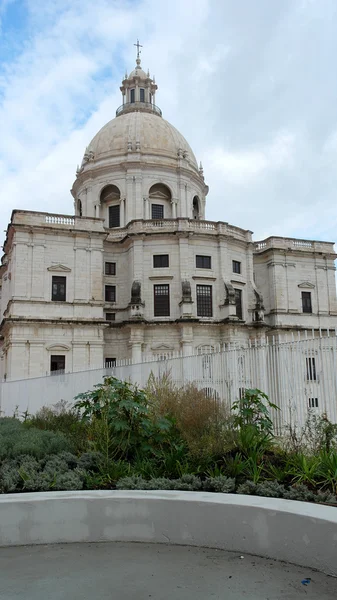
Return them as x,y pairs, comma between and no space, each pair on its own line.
138,106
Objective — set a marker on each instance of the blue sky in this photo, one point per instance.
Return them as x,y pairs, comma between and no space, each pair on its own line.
250,84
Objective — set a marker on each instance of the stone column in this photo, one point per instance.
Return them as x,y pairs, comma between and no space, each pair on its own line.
129,198
122,213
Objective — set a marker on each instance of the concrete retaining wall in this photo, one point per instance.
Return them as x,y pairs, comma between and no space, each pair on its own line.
300,533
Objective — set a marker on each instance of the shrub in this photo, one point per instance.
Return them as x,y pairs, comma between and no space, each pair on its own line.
203,422
90,461
27,474
64,419
225,485
16,440
317,434
184,483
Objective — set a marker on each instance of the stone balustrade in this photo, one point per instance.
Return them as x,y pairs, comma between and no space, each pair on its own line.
57,221
293,244
179,225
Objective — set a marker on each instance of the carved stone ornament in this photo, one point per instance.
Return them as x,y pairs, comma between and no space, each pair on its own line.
186,291
136,293
230,293
259,307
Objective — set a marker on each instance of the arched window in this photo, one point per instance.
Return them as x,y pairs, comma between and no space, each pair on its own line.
142,95
111,196
160,199
196,208
132,95
79,208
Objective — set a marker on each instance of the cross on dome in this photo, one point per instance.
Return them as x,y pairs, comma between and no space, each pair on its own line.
138,45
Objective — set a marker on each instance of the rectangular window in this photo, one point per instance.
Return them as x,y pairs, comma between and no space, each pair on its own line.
110,293
114,216
57,364
204,301
157,211
236,267
313,402
59,285
110,268
161,300
132,95
109,362
110,316
160,260
142,95
311,368
306,302
238,302
203,262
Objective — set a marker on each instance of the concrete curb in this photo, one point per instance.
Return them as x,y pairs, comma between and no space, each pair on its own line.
297,532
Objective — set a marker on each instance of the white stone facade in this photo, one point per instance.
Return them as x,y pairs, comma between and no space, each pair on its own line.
139,194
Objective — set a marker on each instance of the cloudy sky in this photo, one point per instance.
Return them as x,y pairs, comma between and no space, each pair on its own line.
251,84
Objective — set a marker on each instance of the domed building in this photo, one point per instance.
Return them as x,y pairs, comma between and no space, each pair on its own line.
137,270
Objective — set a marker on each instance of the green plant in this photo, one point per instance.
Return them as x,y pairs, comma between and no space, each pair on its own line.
234,466
254,410
120,423
304,469
327,469
254,467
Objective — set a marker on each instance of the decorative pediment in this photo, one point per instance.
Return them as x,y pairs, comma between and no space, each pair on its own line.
158,195
306,284
59,268
58,348
162,348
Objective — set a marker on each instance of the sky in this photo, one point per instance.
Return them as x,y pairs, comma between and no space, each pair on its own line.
251,84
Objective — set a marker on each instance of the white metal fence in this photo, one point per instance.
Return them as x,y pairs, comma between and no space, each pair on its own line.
297,375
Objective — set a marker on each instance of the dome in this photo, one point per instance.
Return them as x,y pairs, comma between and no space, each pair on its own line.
138,72
144,132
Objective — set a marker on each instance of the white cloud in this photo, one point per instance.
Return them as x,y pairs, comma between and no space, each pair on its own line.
250,89
243,165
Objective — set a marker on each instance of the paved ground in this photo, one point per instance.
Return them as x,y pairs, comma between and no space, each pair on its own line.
142,571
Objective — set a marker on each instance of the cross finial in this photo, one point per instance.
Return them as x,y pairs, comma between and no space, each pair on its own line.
138,45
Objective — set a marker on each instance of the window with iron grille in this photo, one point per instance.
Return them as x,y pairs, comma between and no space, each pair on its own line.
110,316
157,211
57,363
110,293
161,300
203,262
142,95
204,301
238,303
311,368
110,268
59,285
313,402
110,362
132,95
236,267
306,302
160,260
114,216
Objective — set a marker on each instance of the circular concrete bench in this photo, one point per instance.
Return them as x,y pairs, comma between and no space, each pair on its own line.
297,532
